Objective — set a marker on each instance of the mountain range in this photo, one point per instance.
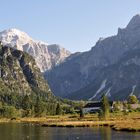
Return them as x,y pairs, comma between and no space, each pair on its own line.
45,55
111,67
20,76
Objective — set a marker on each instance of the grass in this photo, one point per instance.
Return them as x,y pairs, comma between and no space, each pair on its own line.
130,126
79,124
117,121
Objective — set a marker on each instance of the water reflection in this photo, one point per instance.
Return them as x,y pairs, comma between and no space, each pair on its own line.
12,131
106,133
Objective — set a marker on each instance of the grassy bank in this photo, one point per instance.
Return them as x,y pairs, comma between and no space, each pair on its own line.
129,126
117,121
79,124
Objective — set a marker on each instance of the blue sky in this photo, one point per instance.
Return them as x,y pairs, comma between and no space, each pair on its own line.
74,24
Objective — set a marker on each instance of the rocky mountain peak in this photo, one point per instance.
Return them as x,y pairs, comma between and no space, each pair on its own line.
110,67
55,48
14,37
134,22
15,31
45,55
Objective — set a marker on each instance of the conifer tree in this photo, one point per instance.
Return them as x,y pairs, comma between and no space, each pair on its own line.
58,109
26,102
105,107
39,107
27,105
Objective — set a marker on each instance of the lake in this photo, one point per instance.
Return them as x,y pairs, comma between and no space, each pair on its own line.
22,131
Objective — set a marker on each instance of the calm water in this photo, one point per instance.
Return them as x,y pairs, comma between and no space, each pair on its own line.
14,131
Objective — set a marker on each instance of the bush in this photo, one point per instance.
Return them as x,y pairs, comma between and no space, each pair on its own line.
10,112
132,99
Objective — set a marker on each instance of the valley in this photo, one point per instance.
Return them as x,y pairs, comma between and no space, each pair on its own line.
46,84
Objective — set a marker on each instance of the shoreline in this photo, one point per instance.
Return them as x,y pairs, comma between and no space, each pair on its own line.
122,124
79,124
117,126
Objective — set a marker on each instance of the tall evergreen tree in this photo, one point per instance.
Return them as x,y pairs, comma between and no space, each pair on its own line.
58,109
39,107
105,107
26,102
27,106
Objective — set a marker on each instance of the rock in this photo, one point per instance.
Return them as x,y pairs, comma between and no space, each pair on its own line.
110,67
19,74
46,56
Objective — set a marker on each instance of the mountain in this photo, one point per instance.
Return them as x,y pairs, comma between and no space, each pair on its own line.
45,55
110,67
19,74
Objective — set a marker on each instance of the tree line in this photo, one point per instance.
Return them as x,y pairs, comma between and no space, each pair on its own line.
27,106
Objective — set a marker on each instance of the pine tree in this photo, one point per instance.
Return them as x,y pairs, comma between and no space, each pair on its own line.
58,109
26,102
27,106
105,107
39,107
81,113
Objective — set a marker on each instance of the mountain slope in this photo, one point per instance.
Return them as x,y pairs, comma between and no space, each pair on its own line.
45,55
19,74
86,74
117,81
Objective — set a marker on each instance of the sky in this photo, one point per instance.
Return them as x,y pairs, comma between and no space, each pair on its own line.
73,24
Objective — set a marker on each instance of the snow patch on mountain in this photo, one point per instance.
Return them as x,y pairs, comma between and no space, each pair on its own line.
108,92
99,90
133,89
